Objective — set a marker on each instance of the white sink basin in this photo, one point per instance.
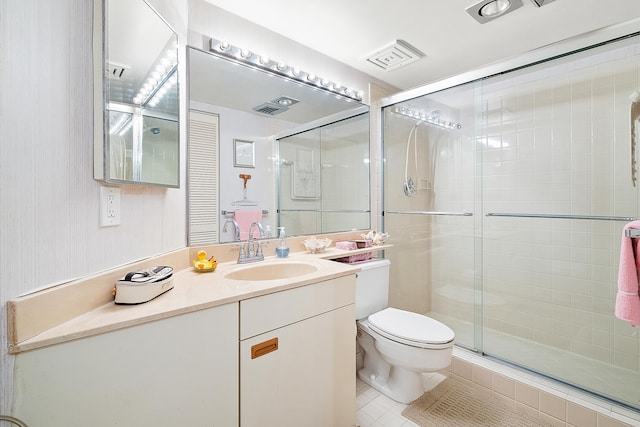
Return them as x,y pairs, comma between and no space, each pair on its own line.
272,271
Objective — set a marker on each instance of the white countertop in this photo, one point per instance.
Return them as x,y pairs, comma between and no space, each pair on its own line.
193,291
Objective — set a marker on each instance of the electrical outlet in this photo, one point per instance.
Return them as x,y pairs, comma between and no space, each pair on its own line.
109,206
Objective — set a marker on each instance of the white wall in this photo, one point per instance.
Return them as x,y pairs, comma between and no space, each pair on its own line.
49,228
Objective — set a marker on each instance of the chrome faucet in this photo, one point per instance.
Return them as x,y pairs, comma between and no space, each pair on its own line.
253,252
236,227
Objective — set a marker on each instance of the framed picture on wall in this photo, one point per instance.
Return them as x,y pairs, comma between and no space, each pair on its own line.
244,154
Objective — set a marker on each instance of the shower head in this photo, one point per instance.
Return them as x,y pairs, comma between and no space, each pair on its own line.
409,187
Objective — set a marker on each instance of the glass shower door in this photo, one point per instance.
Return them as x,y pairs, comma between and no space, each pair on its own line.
324,178
556,193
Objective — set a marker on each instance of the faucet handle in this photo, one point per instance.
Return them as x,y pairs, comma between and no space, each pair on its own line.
242,253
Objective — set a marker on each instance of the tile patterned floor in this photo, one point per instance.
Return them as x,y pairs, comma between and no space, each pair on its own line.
377,410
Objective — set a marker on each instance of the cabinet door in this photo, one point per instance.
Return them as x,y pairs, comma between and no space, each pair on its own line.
179,371
309,380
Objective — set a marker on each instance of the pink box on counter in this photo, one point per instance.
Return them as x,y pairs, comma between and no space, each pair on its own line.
355,258
347,245
351,245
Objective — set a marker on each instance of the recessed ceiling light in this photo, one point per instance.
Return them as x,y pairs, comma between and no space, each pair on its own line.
488,10
495,8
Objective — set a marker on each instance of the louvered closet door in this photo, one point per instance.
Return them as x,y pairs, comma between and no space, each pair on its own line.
203,178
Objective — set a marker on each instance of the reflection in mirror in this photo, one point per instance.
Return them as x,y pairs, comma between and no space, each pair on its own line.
234,97
140,137
323,184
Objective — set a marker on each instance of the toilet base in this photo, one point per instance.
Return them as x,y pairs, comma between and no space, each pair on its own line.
402,385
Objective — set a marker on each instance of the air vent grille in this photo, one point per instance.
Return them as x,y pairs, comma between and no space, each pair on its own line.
270,109
395,56
117,71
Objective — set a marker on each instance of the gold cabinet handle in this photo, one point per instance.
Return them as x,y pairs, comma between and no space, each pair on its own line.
263,348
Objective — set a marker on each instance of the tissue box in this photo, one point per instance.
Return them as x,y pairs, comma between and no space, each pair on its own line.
351,245
347,245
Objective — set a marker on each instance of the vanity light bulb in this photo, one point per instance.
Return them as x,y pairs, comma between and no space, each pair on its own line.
295,71
282,66
245,53
311,77
264,60
223,46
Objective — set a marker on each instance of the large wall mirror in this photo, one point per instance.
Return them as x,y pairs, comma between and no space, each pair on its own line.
244,103
137,113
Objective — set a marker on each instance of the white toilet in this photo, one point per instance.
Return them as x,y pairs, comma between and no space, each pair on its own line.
397,345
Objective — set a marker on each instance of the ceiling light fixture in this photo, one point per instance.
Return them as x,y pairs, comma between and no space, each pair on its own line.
260,62
160,80
488,10
433,118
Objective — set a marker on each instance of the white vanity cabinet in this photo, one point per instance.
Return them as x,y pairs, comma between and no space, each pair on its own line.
297,356
178,371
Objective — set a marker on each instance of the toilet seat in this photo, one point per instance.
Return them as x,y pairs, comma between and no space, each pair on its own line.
410,328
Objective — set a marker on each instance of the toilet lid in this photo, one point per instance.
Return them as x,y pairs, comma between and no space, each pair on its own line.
410,328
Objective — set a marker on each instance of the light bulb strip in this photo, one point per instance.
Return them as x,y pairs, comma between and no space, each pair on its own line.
428,119
123,121
143,96
263,63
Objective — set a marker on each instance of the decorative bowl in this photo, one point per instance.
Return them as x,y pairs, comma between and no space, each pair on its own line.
316,246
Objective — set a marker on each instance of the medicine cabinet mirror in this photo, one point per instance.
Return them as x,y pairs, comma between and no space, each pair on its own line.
136,109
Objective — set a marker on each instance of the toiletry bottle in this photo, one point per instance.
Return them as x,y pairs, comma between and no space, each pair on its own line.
282,250
267,232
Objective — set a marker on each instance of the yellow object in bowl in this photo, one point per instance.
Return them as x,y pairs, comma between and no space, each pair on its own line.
202,264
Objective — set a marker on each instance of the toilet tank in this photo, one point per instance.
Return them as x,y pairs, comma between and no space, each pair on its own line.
372,287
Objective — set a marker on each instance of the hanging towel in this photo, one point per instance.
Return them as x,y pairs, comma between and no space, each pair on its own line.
628,299
244,218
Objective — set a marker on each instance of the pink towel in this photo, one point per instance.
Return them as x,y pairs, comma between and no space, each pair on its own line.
244,218
628,298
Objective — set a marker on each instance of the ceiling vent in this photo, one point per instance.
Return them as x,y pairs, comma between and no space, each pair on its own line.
395,56
116,71
270,108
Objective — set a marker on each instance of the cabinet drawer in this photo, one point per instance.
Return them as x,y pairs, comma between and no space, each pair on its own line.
269,312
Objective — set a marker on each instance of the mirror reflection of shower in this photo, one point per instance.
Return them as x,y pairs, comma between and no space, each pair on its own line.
423,181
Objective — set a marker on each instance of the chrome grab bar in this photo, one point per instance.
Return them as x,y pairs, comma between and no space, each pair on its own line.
558,216
442,213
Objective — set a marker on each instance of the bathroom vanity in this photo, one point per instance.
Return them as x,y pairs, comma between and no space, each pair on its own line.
228,348
297,359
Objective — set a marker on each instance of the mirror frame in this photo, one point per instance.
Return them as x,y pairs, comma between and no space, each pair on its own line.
101,147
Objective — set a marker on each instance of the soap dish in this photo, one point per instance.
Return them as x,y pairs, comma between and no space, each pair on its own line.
316,246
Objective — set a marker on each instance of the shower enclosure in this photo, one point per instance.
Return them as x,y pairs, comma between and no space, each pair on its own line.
323,179
505,198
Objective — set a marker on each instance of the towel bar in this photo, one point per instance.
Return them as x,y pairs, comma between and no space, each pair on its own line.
442,213
231,212
558,216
